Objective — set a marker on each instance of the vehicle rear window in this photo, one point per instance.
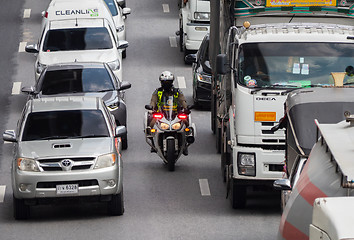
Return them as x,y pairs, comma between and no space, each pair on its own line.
64,124
77,39
76,80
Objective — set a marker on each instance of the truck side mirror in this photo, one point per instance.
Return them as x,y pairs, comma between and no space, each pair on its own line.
282,184
222,66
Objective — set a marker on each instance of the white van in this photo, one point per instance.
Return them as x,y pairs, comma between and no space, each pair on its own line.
78,40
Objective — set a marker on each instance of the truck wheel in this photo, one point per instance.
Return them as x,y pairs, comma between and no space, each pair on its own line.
237,195
21,210
115,207
225,155
218,140
170,155
181,35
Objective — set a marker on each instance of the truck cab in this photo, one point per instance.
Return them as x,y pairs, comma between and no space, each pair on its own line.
194,23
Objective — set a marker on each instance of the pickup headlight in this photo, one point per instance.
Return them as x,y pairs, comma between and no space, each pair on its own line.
203,78
164,126
115,65
201,16
107,160
27,164
246,164
40,67
120,29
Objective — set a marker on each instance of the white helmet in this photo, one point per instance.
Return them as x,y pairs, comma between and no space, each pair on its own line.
166,79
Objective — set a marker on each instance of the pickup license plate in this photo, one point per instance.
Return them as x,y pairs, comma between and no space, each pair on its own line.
68,189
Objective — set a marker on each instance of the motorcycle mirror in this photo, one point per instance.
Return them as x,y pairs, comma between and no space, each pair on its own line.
148,107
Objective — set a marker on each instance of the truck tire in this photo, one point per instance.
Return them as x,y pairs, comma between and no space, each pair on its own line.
21,210
218,140
237,195
225,155
170,155
115,207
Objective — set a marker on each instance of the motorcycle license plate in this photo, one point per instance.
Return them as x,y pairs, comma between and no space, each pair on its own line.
68,189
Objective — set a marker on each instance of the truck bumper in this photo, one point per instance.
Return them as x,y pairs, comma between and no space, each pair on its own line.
195,33
268,164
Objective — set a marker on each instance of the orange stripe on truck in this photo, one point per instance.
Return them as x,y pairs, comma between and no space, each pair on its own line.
291,232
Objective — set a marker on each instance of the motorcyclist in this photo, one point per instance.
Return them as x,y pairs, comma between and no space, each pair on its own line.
167,89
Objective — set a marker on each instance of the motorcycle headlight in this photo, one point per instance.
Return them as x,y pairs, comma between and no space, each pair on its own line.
164,126
115,65
40,67
176,126
203,78
120,29
107,160
202,16
27,164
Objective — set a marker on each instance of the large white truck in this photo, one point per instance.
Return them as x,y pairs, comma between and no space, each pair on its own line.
268,50
194,24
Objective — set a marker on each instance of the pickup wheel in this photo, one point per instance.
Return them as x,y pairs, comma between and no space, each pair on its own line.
21,210
237,195
115,207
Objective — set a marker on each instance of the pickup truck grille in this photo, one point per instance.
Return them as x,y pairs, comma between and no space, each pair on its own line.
66,164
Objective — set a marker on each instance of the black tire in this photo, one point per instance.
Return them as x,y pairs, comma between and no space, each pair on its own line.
124,53
225,154
181,46
237,195
218,140
125,142
213,113
21,210
115,207
170,155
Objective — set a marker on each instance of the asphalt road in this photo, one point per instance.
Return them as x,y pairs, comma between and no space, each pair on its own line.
189,203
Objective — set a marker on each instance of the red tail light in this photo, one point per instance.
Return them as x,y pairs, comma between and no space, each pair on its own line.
182,116
46,15
157,115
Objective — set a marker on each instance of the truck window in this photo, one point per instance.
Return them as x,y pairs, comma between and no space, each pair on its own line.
292,64
77,39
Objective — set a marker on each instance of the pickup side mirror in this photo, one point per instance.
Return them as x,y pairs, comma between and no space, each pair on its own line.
124,85
9,136
32,48
28,90
148,107
121,131
126,11
222,66
121,3
122,44
191,58
282,184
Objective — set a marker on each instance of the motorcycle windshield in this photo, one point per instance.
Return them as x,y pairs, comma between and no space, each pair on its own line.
169,107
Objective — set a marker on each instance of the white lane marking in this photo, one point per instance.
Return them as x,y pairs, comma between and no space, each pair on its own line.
166,8
2,193
27,13
181,82
16,88
173,41
204,187
21,47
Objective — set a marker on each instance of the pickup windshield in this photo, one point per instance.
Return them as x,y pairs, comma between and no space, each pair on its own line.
64,124
293,65
77,39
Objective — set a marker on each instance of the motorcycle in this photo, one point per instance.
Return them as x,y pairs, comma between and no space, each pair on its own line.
168,131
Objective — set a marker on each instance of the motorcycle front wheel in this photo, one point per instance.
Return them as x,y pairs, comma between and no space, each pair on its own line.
170,154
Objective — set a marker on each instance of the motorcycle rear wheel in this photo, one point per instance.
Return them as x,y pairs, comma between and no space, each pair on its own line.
170,155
